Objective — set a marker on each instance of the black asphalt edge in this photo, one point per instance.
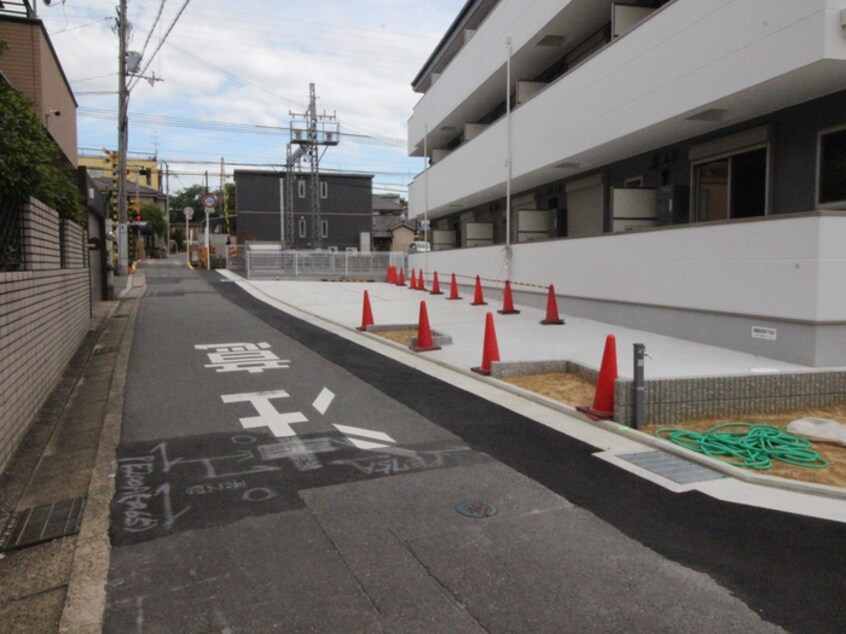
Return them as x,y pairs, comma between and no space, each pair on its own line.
759,550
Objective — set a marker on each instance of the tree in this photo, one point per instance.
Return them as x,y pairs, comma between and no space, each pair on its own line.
31,164
193,197
189,197
154,217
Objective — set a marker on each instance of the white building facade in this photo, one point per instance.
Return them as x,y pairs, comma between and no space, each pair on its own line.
673,165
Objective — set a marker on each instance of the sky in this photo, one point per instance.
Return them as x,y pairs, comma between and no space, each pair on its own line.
232,72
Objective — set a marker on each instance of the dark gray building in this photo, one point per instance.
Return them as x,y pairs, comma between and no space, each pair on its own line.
345,203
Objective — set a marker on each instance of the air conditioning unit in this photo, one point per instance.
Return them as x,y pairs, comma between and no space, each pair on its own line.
332,249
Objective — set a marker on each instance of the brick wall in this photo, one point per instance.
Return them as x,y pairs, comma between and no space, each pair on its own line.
44,313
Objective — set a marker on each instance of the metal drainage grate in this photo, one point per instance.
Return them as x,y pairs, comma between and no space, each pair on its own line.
476,509
121,316
43,523
672,467
104,350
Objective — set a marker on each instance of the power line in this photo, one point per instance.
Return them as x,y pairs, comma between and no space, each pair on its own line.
161,42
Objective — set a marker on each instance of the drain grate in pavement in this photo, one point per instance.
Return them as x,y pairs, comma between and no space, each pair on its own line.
476,509
672,467
104,350
43,523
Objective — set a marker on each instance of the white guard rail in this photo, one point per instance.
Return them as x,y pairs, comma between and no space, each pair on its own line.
321,264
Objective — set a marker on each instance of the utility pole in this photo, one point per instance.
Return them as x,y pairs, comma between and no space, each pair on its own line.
310,132
314,164
123,128
167,208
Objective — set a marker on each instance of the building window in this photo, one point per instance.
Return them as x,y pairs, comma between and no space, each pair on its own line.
731,187
324,228
301,188
301,227
831,187
324,189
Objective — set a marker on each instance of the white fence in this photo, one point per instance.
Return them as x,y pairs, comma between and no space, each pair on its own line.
271,262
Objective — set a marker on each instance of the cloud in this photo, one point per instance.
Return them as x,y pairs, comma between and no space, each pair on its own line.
252,66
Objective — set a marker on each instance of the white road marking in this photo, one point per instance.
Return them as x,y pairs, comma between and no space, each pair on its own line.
323,400
352,432
279,424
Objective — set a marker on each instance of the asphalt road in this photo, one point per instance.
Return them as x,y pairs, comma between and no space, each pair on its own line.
275,477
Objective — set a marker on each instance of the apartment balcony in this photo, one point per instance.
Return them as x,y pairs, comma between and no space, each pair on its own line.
690,69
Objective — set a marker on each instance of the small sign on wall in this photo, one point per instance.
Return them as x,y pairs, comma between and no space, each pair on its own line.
759,332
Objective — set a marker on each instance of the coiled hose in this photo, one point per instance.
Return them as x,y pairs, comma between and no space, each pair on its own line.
748,445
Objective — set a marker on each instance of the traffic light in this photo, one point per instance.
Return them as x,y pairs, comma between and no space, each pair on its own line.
133,209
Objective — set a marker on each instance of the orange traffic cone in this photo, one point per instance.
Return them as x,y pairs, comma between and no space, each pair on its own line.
366,313
478,300
507,302
552,317
412,284
421,281
436,287
424,341
391,278
401,278
490,352
453,289
603,400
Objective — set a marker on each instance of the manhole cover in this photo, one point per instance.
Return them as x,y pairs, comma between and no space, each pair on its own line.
476,509
43,523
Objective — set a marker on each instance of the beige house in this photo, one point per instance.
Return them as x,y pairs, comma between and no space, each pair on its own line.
401,237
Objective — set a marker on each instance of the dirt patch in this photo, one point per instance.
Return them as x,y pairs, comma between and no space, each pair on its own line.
834,475
398,336
573,390
561,386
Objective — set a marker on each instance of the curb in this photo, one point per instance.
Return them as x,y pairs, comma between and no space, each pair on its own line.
85,600
633,435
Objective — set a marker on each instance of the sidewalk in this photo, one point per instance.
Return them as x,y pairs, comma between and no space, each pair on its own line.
64,469
337,306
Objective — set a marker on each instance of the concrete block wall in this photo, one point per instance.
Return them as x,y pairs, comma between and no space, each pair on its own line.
44,313
671,401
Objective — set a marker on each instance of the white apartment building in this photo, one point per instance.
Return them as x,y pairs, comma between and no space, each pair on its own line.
673,165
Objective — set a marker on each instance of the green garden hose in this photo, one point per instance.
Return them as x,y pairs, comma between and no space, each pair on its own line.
747,445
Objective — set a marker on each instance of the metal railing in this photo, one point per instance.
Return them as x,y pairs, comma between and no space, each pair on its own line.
11,254
267,262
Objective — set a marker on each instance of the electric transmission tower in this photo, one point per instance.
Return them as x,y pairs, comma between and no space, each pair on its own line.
308,131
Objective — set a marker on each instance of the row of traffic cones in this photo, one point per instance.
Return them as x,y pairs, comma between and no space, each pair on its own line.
603,402
418,283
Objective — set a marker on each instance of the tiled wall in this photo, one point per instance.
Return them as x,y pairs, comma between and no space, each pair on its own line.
44,313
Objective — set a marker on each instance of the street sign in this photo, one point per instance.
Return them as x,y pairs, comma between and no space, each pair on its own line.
189,213
209,201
